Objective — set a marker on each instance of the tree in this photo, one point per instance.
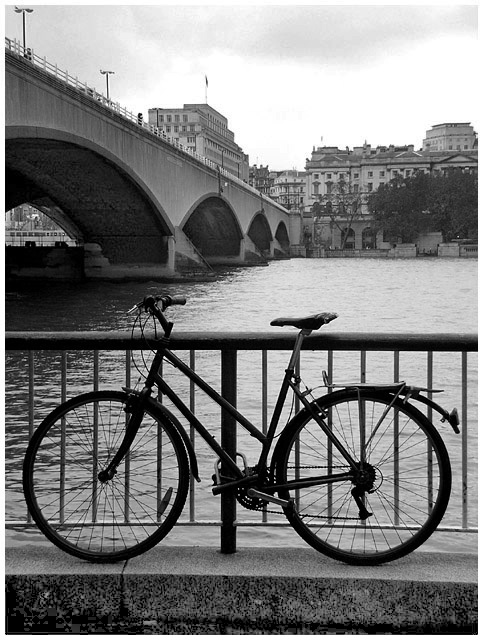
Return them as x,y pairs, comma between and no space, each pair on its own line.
454,204
342,206
406,207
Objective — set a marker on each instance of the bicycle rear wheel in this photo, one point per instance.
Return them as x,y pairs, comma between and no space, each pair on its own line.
403,477
113,520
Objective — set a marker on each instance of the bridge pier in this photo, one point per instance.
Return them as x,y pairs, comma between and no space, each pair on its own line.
249,252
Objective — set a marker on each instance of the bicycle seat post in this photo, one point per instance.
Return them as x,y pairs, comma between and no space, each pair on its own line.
294,358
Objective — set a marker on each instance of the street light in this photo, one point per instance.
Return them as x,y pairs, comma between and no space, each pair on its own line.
23,11
106,73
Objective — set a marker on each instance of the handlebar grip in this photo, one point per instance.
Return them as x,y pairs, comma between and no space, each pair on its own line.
177,300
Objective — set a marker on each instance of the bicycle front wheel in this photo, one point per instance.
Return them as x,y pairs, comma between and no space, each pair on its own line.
113,520
386,507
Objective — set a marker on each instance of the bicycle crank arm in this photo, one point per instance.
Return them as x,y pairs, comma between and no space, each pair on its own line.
254,493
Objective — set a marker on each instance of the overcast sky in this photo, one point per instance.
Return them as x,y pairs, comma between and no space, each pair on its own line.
287,76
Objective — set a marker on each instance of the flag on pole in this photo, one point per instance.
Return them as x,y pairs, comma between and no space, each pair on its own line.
206,89
206,81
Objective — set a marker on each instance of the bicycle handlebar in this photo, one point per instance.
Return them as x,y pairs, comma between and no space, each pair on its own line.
166,301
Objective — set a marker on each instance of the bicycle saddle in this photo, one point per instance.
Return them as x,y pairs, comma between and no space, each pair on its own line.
308,322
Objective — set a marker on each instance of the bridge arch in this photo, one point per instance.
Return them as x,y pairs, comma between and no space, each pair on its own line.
282,236
97,193
213,228
260,233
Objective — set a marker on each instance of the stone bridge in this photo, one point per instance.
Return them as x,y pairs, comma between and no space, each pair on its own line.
141,204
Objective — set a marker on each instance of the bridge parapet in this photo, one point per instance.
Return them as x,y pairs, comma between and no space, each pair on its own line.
16,48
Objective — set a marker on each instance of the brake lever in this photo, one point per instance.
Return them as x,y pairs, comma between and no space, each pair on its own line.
136,307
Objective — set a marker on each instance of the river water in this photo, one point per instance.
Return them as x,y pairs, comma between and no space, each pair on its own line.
425,295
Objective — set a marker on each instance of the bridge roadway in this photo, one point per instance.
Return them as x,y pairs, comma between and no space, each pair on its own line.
141,204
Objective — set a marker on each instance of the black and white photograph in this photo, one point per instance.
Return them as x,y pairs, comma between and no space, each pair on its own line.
241,316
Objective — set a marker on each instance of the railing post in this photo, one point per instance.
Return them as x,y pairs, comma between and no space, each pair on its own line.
228,442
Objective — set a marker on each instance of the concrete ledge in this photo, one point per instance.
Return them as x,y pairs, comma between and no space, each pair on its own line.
197,590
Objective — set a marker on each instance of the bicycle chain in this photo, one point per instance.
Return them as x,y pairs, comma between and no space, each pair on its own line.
256,504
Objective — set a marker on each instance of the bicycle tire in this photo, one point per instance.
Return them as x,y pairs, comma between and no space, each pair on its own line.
104,521
406,464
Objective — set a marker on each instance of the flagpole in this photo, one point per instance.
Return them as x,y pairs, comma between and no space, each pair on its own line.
206,89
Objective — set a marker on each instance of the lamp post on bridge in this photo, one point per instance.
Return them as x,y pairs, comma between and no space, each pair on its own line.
106,73
23,11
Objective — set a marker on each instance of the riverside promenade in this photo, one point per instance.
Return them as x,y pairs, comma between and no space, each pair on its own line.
277,591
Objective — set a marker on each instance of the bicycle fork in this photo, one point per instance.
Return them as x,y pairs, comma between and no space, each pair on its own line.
132,428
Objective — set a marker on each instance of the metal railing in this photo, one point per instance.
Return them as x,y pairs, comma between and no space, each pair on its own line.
231,346
15,47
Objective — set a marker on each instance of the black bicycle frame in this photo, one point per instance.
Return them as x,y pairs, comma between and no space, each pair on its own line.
155,378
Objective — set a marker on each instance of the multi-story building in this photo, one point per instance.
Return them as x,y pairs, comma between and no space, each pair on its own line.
205,131
450,136
339,182
289,189
261,178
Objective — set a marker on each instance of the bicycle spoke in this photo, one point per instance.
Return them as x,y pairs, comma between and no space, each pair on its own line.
110,519
393,509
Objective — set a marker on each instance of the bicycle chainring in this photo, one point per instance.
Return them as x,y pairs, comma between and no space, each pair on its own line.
249,502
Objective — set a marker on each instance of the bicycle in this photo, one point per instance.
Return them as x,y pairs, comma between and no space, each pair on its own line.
360,473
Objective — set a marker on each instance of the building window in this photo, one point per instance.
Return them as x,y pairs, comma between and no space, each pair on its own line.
168,129
185,118
183,128
176,118
160,117
369,186
168,118
369,174
316,176
176,129
356,176
382,174
329,176
355,188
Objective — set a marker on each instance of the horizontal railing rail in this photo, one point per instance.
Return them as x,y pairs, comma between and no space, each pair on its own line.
229,344
246,341
15,47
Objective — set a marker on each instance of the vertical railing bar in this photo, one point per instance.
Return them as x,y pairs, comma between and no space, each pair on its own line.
330,495
430,418
228,442
363,365
396,443
192,506
464,439
264,408
362,408
31,392
63,398
297,442
31,410
96,370
264,391
95,434
127,459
